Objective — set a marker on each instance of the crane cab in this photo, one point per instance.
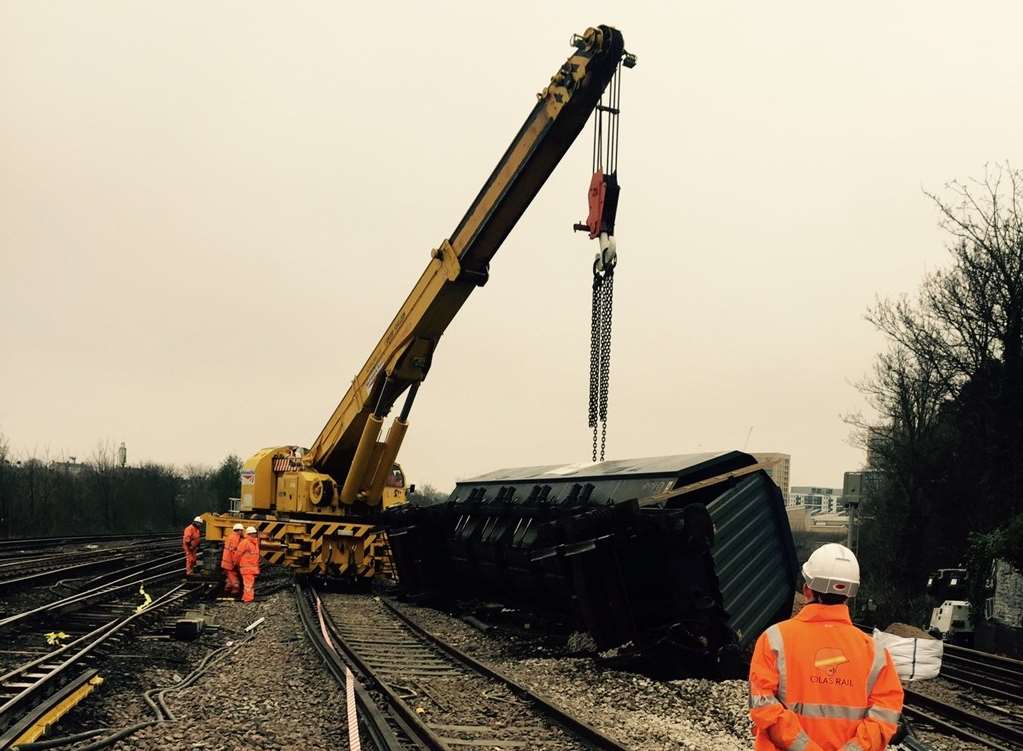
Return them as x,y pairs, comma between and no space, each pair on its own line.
276,480
395,490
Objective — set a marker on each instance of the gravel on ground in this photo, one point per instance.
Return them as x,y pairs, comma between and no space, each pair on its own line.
639,712
271,693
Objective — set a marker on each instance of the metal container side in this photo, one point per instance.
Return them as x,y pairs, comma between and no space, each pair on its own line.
754,555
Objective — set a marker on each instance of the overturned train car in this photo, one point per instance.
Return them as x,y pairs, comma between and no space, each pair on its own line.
689,554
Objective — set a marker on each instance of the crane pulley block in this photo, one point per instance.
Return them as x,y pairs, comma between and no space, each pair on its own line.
602,197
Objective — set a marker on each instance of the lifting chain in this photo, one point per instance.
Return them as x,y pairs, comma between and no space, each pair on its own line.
595,319
600,354
600,224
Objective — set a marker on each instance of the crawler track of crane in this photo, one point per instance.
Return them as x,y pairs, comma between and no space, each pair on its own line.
416,691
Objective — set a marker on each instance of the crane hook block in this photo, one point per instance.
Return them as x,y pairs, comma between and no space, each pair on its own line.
602,198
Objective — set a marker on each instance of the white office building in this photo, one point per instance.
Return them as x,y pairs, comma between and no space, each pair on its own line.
816,500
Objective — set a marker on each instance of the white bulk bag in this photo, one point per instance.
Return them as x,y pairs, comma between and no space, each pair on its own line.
915,659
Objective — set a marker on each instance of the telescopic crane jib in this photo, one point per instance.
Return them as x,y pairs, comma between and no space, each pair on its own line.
311,501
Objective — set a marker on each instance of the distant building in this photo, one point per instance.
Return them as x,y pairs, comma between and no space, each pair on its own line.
777,467
830,521
816,500
72,467
809,532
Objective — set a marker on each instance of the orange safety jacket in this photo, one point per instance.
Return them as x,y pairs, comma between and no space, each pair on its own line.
228,557
247,555
190,540
818,683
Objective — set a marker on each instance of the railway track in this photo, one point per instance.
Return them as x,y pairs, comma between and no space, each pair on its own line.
995,720
415,691
989,674
102,588
1004,734
991,708
36,570
21,546
42,684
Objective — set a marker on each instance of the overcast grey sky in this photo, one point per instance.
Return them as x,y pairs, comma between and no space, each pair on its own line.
210,211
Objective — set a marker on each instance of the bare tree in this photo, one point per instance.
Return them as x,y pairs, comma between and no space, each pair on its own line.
6,515
948,392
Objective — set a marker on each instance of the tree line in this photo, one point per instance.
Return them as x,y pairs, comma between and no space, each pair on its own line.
41,498
946,444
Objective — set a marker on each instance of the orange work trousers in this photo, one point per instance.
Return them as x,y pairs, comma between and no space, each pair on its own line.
190,558
249,593
233,585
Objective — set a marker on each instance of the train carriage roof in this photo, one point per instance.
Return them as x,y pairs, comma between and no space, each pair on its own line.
684,467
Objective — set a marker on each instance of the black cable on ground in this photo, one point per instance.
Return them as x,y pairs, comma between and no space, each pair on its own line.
62,741
158,705
113,738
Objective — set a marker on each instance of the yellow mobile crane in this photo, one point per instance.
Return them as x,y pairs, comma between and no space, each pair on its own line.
314,508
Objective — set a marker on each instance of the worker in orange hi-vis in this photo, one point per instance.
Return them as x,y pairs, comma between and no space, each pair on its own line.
190,542
229,563
247,556
818,683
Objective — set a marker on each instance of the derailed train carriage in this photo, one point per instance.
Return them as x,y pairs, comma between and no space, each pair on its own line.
689,556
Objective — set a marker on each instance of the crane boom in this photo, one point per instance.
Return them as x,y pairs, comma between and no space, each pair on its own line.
347,448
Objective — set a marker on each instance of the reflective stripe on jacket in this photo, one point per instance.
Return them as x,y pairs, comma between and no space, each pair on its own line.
190,540
818,683
228,557
247,555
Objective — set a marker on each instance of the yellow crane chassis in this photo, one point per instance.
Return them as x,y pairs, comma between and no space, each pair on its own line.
329,548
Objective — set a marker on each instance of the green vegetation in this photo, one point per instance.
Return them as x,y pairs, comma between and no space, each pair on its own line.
427,495
948,442
40,498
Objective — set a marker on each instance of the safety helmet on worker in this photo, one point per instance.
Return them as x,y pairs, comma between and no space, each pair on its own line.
237,527
197,520
250,531
832,569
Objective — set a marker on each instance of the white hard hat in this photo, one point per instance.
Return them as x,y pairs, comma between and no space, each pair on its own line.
237,527
832,569
250,530
197,520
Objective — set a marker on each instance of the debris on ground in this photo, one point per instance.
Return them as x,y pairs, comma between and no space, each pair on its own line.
910,632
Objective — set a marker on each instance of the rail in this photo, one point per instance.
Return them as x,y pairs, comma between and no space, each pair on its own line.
35,570
390,654
979,673
24,690
19,545
962,723
163,569
386,728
